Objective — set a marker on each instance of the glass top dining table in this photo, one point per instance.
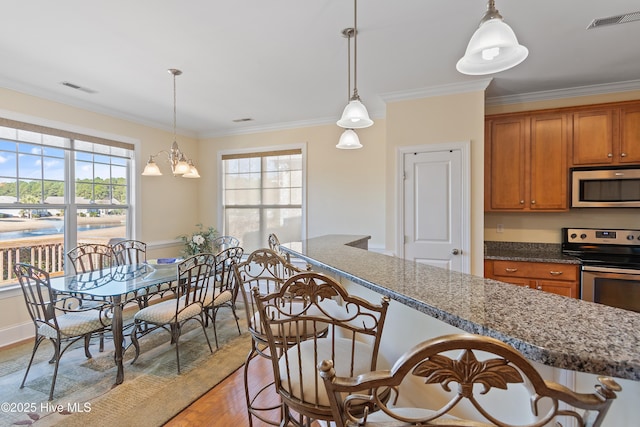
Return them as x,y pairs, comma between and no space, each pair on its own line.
118,284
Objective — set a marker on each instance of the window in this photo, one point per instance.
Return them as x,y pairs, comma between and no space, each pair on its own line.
58,190
263,193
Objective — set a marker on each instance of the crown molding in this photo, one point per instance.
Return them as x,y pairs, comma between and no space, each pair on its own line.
441,90
572,92
375,114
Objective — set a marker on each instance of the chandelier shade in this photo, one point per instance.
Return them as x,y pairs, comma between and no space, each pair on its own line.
493,47
349,140
180,164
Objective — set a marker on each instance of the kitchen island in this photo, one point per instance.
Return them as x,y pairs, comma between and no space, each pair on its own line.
565,337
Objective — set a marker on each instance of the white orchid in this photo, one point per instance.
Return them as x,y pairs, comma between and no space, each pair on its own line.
198,239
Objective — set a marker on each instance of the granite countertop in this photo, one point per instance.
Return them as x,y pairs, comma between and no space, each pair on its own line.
547,328
531,252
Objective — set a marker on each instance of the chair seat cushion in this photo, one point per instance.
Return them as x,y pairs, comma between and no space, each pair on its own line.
310,376
165,312
76,324
214,297
380,419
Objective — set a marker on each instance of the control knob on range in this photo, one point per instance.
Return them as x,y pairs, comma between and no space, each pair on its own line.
573,235
630,237
583,236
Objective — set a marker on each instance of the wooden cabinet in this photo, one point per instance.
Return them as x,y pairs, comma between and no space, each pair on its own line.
606,136
526,162
557,278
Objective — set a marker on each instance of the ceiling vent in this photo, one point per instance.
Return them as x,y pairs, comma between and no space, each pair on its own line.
613,20
245,119
77,87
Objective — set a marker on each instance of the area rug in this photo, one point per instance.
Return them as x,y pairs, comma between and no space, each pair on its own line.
152,391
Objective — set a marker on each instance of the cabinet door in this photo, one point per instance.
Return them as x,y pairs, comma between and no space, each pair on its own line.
549,170
593,137
567,289
629,135
506,163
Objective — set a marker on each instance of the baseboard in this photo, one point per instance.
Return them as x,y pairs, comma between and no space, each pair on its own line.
16,333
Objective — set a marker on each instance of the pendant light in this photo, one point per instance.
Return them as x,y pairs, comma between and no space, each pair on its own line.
493,47
180,164
349,139
355,115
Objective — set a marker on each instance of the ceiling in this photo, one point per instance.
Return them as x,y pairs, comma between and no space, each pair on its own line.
283,63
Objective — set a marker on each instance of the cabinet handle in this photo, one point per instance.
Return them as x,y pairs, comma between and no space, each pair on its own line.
539,287
555,273
533,202
623,155
527,286
609,155
510,270
522,202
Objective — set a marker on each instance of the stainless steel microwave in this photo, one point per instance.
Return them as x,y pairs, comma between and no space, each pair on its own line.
606,187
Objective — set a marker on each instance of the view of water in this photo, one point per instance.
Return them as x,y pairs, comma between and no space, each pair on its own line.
40,232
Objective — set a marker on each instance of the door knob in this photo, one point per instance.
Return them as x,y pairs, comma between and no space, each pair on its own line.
455,251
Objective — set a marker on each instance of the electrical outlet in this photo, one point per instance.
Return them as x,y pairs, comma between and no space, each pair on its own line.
500,228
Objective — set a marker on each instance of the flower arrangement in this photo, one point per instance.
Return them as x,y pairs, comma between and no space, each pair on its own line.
198,242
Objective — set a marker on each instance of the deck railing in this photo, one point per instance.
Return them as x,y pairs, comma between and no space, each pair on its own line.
45,254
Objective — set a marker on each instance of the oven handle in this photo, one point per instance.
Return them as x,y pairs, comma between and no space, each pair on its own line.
599,269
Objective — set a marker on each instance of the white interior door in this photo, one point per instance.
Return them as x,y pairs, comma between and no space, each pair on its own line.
435,212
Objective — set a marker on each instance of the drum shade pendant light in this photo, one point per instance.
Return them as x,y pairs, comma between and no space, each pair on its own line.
180,164
349,139
355,114
493,47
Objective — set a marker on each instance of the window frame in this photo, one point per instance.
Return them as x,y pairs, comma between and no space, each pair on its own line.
260,151
81,135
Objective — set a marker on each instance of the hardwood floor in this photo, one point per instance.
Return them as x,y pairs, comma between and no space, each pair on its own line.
224,405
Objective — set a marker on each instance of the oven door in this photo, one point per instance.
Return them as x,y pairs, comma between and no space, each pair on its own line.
617,287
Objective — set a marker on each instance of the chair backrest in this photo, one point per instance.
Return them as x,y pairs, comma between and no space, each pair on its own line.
38,295
193,279
221,243
90,257
266,270
479,365
127,252
274,245
311,318
224,274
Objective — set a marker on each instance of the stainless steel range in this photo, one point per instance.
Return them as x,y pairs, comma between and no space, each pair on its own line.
610,264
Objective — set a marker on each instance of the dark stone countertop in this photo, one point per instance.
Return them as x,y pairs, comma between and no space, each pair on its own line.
550,329
530,252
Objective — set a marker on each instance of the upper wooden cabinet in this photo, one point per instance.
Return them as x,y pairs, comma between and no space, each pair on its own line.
606,135
526,162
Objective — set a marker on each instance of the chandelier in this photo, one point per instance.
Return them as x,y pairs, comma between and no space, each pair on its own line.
180,164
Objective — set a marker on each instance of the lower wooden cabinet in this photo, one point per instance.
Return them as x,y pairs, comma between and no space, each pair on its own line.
557,278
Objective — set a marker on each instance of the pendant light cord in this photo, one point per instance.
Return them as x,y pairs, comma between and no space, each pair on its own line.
174,106
355,48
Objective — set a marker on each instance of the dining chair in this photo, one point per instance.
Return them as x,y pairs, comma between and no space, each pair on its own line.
86,258
90,257
221,243
127,252
193,276
53,320
266,270
222,290
274,245
477,365
295,318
